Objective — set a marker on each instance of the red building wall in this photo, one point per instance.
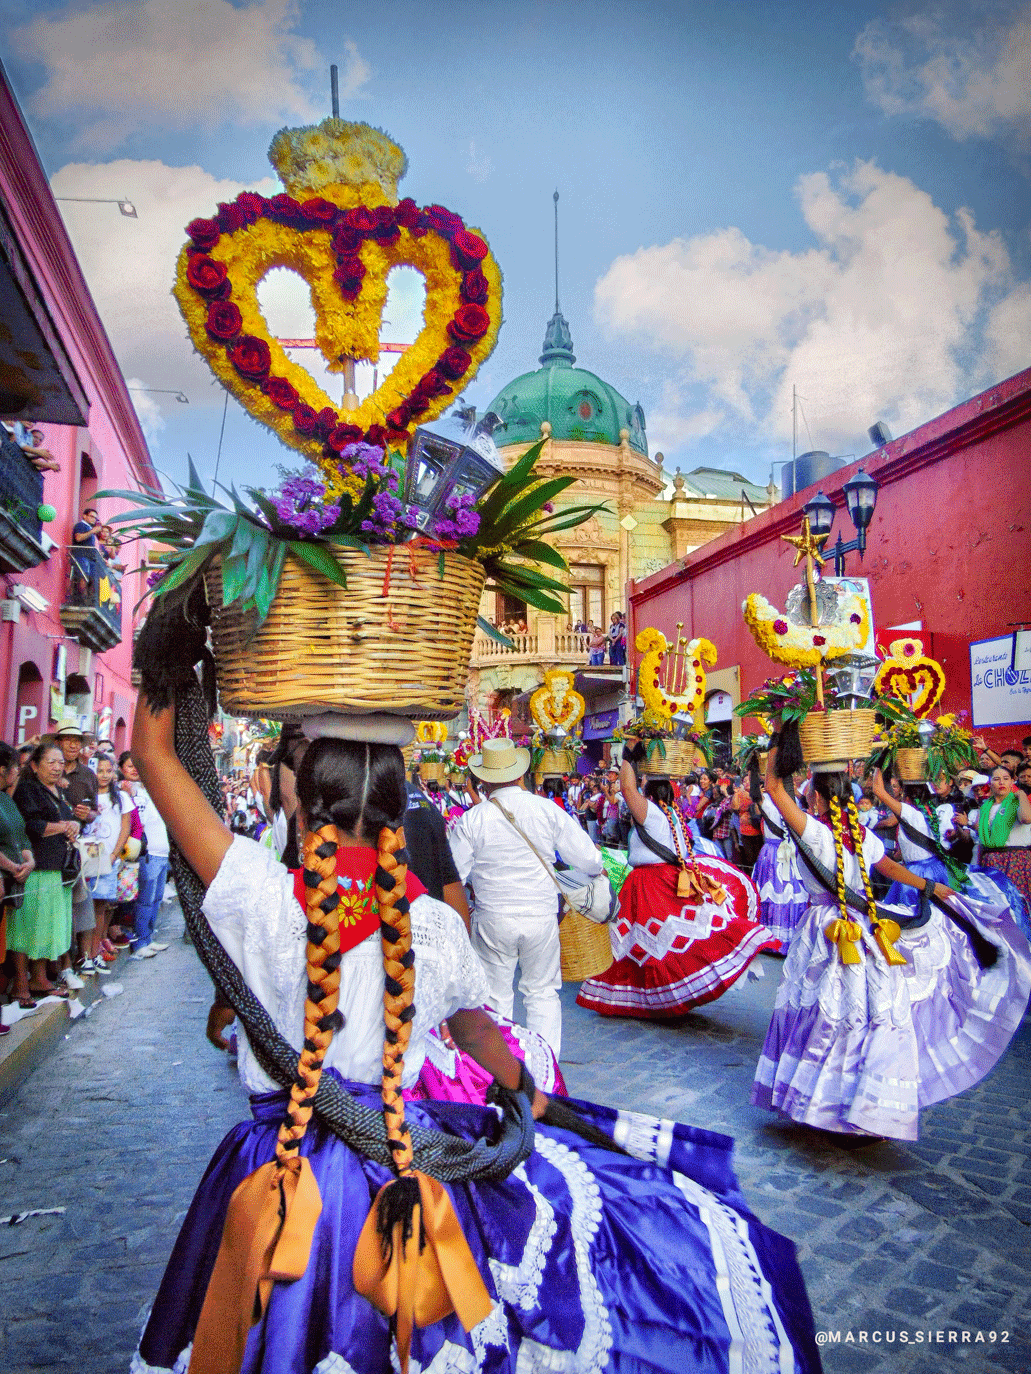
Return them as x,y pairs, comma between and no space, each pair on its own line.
112,446
949,545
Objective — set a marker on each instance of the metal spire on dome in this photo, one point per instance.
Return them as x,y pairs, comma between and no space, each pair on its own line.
558,342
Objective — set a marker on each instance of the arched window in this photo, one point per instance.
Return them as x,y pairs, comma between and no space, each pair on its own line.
29,717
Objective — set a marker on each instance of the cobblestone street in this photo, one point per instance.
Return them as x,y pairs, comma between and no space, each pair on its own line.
116,1126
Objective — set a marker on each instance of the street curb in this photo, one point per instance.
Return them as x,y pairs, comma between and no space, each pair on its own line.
31,1040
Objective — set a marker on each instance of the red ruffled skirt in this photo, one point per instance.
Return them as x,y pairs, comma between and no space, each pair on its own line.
671,954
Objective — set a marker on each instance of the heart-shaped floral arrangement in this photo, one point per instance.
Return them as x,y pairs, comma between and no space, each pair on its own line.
912,676
341,227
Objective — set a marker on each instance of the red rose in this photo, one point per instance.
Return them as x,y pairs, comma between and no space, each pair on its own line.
305,419
319,211
406,213
818,640
349,275
443,221
855,619
376,435
385,230
280,393
432,383
346,240
284,207
341,435
251,358
471,322
475,288
230,217
454,363
780,627
252,205
417,404
328,420
203,232
206,275
468,249
361,218
224,320
399,419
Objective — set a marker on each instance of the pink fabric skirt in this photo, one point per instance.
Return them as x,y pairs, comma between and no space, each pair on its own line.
450,1075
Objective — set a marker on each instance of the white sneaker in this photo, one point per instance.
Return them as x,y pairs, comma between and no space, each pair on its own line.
147,952
101,967
87,969
157,948
70,980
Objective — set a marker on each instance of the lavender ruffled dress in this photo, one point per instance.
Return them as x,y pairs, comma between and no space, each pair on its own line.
783,897
860,1048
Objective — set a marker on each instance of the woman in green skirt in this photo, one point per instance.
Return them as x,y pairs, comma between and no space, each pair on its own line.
41,928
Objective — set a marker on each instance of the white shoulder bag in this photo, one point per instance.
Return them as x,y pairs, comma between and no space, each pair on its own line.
591,897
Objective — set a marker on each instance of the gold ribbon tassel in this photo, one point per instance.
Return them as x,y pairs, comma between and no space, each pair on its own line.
846,935
886,933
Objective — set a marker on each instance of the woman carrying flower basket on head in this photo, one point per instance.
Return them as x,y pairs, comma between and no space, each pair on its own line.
687,926
881,1012
583,1251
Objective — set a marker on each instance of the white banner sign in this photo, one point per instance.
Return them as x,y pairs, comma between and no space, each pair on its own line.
1000,693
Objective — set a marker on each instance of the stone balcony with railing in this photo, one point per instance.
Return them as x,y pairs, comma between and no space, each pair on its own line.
545,644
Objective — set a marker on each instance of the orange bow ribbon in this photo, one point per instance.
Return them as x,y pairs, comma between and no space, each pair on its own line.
267,1236
421,1283
696,885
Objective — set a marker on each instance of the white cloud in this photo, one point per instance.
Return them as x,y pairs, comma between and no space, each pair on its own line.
129,264
974,82
111,67
896,314
479,167
148,410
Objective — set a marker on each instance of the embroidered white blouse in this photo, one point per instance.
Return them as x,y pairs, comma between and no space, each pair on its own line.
252,909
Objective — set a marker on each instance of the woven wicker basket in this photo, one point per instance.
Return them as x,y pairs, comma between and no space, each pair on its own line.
555,762
433,772
911,765
585,947
831,738
326,649
681,757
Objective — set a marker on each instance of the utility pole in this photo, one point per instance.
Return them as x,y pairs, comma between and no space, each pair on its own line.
794,423
334,91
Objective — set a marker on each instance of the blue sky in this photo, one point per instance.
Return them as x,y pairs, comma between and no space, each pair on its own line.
754,196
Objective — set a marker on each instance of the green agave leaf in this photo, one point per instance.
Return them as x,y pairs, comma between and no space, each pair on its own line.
268,582
540,552
317,556
184,570
517,512
234,576
268,510
531,577
508,486
531,596
494,632
194,483
219,526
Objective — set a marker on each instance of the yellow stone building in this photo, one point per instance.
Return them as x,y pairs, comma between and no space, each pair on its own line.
593,433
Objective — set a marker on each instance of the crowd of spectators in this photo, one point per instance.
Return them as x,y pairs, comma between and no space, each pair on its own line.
84,862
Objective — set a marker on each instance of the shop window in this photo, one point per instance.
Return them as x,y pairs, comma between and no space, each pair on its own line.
587,594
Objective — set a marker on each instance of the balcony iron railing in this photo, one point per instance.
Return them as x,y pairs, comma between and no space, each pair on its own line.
547,644
92,609
21,494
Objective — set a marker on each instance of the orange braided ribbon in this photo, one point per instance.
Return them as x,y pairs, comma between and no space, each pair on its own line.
271,1219
414,547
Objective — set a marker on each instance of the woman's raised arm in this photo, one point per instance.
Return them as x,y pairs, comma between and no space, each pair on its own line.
782,799
200,834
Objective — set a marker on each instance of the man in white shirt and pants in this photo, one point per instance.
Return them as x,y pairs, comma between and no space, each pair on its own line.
515,918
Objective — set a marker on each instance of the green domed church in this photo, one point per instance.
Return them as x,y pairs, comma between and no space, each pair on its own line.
595,434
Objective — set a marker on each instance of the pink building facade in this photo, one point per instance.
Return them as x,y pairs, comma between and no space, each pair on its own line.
67,624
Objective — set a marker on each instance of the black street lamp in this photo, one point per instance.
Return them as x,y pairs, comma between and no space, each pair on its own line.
861,500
